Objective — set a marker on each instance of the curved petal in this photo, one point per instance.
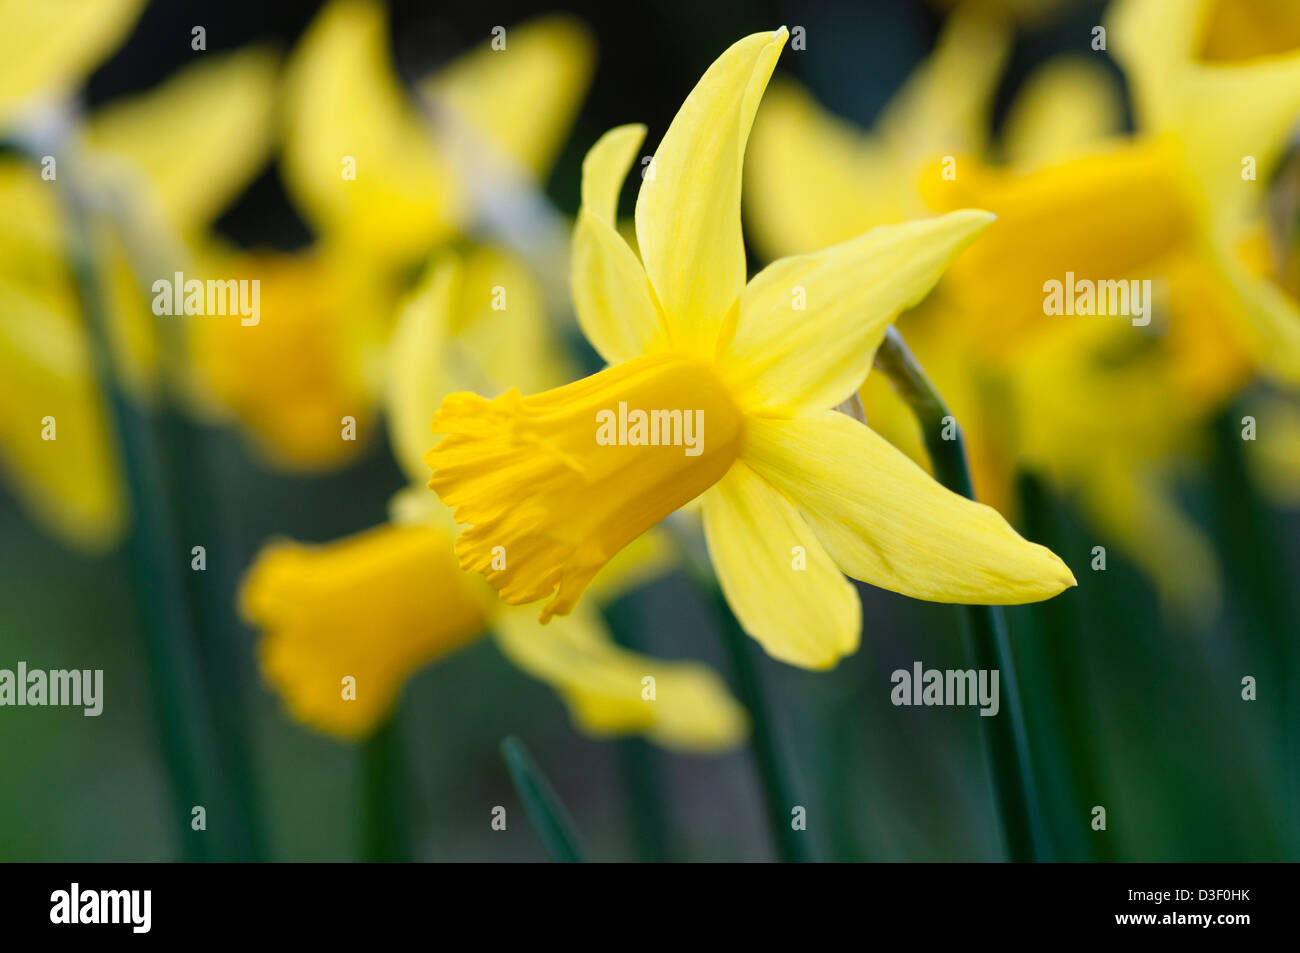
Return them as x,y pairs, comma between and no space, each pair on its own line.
688,209
416,383
49,47
605,169
783,587
522,99
199,137
809,325
343,102
611,294
812,180
886,522
1068,105
604,685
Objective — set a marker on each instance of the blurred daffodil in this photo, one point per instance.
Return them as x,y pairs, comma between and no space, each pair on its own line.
795,494
377,607
168,159
1105,408
381,186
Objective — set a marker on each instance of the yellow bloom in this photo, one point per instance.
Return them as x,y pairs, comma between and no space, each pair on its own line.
171,157
359,158
795,491
49,48
378,606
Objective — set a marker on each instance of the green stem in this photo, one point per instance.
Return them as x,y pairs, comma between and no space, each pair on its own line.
384,806
778,793
643,790
1005,737
545,809
155,560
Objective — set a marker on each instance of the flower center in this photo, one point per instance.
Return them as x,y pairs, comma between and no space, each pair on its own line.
555,484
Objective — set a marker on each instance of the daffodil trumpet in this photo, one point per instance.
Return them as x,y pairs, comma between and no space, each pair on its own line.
1006,739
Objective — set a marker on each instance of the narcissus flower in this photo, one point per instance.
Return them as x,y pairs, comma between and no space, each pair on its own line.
794,493
377,607
173,156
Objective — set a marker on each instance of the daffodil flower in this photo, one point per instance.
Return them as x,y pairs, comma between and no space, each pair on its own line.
172,158
381,189
794,493
346,624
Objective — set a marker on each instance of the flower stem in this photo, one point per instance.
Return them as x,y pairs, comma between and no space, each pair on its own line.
1005,737
156,559
778,792
385,810
543,805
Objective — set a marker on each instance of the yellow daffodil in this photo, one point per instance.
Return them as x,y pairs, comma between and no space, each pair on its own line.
347,624
169,159
794,492
1072,195
381,188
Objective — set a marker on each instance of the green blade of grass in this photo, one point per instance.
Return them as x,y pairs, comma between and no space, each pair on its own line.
550,819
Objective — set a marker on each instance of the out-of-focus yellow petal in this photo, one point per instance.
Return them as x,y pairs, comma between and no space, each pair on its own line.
688,209
418,365
944,108
1139,514
292,377
345,109
49,47
196,139
812,180
610,290
374,608
777,577
1248,29
522,99
686,707
1127,207
69,482
886,522
500,324
1271,325
1220,113
1066,106
641,561
1275,453
809,325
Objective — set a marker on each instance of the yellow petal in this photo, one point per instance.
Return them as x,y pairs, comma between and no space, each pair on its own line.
813,180
1066,106
197,139
1221,113
610,290
292,377
886,522
944,108
522,99
809,325
553,485
417,377
346,110
374,607
688,209
69,482
686,707
1236,30
783,587
48,48
1269,322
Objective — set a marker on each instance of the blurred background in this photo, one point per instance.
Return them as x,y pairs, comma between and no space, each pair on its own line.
1128,707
